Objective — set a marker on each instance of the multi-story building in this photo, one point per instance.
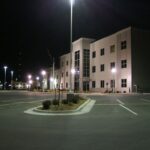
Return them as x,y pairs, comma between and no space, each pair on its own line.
116,63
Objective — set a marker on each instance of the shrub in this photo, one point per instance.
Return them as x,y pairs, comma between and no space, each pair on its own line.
64,101
76,99
46,104
55,102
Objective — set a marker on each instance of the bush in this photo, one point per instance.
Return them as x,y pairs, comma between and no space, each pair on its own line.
55,102
76,99
46,104
64,101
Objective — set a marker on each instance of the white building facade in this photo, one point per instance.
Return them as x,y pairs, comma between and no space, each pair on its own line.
112,64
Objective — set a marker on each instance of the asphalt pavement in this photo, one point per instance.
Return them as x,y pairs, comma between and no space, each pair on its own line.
116,122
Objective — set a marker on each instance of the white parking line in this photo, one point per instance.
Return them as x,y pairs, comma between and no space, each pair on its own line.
120,102
22,103
106,104
146,100
128,109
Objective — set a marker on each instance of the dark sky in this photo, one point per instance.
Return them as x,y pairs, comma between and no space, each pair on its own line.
29,27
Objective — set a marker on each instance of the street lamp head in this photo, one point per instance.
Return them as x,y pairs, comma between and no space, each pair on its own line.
37,78
43,72
5,67
30,81
29,76
71,2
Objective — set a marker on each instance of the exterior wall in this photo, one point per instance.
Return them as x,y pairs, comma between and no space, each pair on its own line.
140,59
107,58
65,71
80,45
135,53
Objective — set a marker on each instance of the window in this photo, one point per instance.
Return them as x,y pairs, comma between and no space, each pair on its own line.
123,82
123,63
62,63
67,63
67,74
102,51
102,83
86,63
93,84
112,48
62,74
102,67
94,69
112,65
123,45
66,84
112,83
93,54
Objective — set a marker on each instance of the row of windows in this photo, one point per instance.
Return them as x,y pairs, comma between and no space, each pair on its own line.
112,49
62,63
112,65
112,83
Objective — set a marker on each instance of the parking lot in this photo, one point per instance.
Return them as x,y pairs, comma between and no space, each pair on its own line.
116,122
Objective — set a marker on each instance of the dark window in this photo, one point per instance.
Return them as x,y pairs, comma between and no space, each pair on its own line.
62,63
66,84
102,51
112,48
123,45
93,84
123,63
123,82
93,54
66,74
67,63
102,83
112,83
112,65
94,69
102,67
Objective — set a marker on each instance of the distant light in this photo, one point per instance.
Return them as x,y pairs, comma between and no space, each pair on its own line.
113,70
73,71
30,81
37,78
29,76
43,72
52,79
5,67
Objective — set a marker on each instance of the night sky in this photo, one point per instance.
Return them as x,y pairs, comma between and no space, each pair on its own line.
31,28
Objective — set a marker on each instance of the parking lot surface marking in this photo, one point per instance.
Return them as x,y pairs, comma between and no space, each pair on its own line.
128,109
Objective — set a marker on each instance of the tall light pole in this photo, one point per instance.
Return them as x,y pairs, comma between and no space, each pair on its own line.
71,24
5,68
12,73
43,74
30,81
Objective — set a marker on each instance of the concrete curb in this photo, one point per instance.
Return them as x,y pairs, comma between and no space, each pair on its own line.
84,108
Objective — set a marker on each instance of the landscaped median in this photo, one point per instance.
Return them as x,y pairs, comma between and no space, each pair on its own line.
81,107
